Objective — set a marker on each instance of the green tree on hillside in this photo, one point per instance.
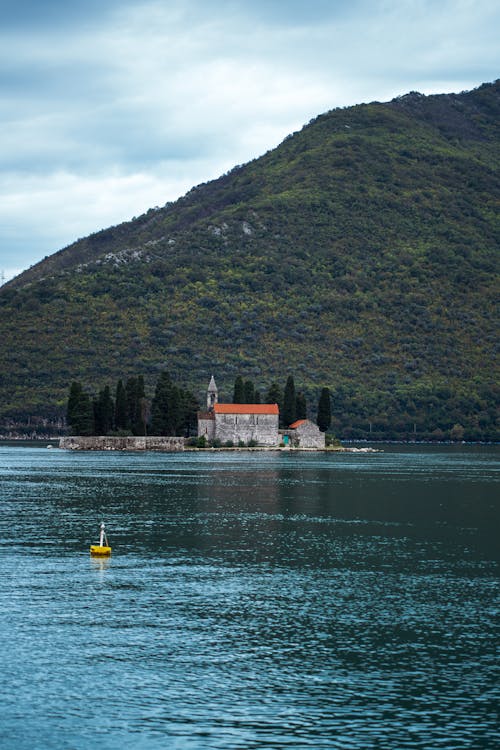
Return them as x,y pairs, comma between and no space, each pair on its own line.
457,432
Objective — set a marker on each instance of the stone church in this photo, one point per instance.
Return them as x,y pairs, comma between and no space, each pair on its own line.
305,434
238,422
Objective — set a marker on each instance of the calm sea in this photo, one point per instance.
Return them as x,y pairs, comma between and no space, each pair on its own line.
252,600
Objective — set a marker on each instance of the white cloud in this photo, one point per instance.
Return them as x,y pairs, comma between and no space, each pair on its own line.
64,206
104,119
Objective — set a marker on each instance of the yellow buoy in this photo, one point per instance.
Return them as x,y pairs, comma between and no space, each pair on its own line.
96,549
102,549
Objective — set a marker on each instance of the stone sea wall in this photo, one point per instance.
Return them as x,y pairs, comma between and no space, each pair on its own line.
167,444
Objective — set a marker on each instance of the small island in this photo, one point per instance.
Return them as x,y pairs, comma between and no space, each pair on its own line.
220,426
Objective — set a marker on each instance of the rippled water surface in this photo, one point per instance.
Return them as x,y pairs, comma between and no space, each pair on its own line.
253,600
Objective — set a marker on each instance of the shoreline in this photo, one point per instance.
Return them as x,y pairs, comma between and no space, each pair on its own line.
347,445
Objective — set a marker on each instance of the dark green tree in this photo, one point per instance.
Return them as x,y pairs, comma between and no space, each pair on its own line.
135,405
103,412
164,407
173,409
145,414
300,406
189,408
274,395
80,413
108,410
324,410
120,419
75,392
289,398
249,392
239,391
256,396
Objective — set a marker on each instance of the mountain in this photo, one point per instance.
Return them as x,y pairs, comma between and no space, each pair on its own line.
360,254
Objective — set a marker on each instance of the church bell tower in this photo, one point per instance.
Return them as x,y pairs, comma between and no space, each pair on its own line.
212,394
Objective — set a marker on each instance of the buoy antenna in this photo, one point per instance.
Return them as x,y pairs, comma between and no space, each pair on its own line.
103,547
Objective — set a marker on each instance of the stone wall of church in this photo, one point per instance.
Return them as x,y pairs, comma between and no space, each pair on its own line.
206,425
308,435
262,428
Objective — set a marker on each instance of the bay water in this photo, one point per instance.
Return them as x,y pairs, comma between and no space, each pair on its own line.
252,600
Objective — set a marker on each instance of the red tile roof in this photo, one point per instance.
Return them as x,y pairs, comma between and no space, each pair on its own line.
297,423
246,409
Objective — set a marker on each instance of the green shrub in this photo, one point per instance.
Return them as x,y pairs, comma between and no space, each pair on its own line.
330,439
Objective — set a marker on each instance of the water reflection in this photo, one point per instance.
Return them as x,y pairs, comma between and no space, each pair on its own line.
100,564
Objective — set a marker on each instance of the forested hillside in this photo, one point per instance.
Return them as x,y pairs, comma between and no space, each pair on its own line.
361,255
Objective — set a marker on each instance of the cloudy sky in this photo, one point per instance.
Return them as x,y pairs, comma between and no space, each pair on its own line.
110,107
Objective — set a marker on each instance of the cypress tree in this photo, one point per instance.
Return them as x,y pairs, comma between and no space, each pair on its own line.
239,391
75,392
131,394
80,413
289,402
173,409
103,412
142,407
96,408
160,406
324,410
249,392
135,405
84,422
120,407
189,408
274,395
107,409
300,406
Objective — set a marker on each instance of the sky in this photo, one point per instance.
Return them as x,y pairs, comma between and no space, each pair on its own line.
111,107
